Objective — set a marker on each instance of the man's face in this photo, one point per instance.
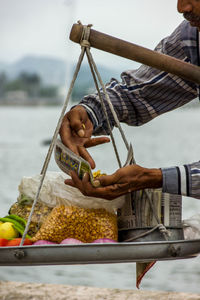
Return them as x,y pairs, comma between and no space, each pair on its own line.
191,11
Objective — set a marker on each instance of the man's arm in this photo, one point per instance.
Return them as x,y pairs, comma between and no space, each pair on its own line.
124,180
144,93
183,180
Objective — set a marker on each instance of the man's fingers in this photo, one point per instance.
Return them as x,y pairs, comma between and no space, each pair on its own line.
86,188
107,180
78,118
107,192
96,141
68,142
76,180
69,182
86,155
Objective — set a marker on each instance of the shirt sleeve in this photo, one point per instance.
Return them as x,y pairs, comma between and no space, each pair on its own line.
143,94
182,180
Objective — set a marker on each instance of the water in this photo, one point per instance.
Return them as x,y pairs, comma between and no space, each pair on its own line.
166,141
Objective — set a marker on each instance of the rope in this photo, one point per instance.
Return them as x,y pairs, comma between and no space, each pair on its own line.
166,233
85,43
105,112
118,125
51,147
161,227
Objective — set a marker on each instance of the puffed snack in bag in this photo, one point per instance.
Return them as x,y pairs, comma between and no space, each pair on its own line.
84,224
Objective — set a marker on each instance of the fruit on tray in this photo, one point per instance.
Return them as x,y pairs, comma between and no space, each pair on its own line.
3,242
15,227
7,231
17,241
14,242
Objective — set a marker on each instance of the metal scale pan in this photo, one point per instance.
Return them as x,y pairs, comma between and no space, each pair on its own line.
98,253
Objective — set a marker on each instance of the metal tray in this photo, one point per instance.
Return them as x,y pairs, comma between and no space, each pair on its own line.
98,253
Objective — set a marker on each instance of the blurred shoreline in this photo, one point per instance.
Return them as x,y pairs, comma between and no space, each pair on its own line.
20,290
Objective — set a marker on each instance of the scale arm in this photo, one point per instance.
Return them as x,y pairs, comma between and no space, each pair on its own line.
137,53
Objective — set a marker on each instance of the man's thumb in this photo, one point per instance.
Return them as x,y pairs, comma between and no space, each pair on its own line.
81,132
104,180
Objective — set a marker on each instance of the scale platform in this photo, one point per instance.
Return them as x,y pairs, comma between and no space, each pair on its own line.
98,253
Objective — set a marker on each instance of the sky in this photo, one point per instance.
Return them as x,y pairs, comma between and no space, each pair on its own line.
42,27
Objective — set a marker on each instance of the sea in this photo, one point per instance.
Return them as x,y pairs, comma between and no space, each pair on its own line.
169,140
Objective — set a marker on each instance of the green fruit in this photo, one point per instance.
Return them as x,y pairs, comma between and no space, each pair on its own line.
7,231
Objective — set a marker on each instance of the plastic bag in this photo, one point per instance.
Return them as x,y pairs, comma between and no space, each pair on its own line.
74,215
191,227
55,192
84,224
23,208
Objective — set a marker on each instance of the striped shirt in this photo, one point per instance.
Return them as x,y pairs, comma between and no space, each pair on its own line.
146,93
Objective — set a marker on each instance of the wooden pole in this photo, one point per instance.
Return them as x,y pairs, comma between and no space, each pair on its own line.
137,53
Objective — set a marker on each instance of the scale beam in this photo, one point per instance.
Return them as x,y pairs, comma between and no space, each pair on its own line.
137,53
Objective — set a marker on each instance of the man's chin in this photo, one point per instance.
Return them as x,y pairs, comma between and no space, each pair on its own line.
195,24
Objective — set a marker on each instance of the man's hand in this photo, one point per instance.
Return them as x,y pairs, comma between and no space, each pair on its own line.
75,132
123,181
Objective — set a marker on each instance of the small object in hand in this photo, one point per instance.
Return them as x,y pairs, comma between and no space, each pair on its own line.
97,174
96,183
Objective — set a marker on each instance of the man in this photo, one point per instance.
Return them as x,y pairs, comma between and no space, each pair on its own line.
142,95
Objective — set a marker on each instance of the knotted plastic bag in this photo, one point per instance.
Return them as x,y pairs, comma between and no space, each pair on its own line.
73,215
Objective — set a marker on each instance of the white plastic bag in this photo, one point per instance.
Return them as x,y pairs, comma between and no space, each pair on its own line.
73,215
191,227
55,192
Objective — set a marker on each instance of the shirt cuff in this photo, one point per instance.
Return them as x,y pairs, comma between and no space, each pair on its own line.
175,180
91,114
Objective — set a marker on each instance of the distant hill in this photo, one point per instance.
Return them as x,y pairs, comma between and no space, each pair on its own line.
53,71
